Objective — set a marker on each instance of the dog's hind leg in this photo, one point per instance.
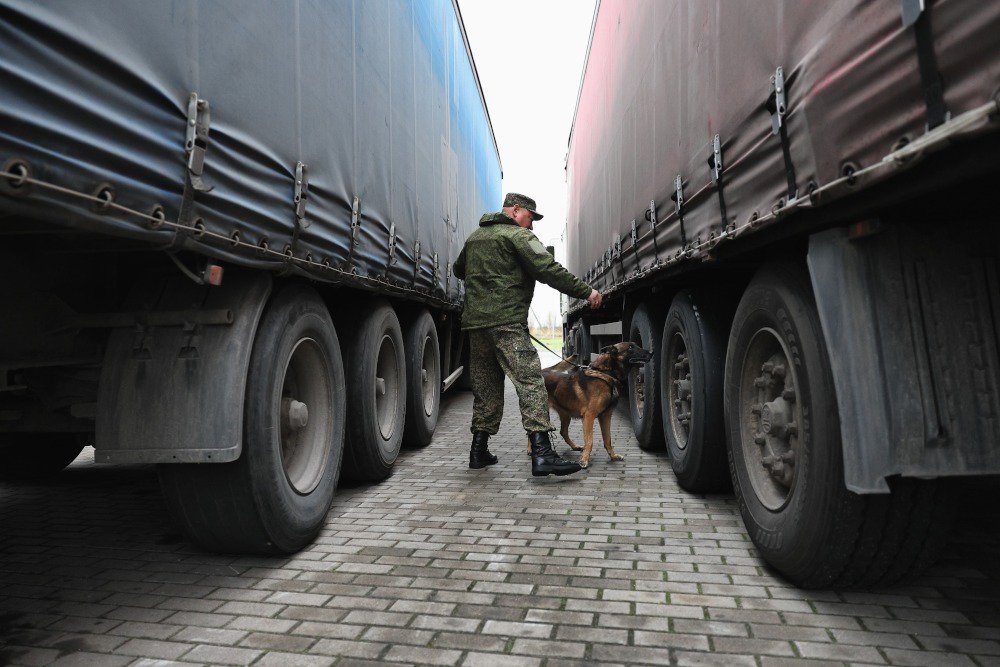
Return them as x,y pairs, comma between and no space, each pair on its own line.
588,438
605,420
564,420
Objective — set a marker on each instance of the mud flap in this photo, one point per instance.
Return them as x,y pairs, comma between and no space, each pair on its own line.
172,387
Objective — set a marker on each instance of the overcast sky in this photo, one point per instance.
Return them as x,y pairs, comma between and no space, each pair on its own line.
530,55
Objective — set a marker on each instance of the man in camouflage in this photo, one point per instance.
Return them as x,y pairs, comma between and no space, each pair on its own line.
500,263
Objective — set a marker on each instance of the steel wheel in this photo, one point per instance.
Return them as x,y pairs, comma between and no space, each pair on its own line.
430,377
769,418
387,387
305,436
679,397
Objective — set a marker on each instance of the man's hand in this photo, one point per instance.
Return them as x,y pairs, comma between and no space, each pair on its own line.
594,299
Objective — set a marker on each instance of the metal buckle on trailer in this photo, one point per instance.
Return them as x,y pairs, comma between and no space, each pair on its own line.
416,262
355,220
437,272
715,163
678,198
199,118
392,243
301,193
777,104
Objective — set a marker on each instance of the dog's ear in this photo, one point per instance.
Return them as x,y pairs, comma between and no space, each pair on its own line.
607,349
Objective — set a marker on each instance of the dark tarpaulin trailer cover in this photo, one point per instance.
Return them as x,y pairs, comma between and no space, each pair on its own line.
664,77
379,100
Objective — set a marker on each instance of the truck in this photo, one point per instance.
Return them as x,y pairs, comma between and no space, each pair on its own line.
789,204
226,238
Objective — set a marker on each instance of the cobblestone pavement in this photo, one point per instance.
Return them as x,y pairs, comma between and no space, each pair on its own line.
443,565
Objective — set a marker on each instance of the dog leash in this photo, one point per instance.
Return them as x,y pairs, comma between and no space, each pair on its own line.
556,353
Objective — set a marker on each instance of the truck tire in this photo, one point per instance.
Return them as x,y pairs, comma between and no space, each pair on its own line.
423,380
692,368
376,374
583,344
646,330
275,497
786,460
34,455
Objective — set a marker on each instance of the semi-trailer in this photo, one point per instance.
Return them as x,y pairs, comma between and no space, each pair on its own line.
226,238
793,205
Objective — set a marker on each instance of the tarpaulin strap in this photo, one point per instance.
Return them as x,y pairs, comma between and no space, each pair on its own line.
715,163
918,15
196,146
299,197
776,104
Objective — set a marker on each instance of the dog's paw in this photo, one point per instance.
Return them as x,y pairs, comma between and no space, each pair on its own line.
617,457
584,463
576,448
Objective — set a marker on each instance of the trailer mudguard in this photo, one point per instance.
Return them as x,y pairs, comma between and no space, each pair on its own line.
908,315
172,386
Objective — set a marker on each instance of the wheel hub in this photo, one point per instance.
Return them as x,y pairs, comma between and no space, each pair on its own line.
304,440
387,389
294,415
771,425
681,390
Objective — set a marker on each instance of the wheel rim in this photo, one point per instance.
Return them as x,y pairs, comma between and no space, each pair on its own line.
681,400
430,376
770,418
637,376
386,387
306,422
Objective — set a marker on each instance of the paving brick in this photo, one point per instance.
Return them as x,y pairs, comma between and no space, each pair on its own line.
476,659
222,655
153,649
472,642
839,652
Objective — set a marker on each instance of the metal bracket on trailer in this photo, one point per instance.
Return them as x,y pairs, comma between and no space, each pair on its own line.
175,394
199,118
301,193
392,244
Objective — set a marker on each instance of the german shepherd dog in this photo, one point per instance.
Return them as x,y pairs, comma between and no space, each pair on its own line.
591,392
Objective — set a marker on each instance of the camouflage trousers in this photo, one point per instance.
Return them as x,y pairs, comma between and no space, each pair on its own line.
501,350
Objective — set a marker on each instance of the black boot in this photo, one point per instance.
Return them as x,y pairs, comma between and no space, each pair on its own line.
544,461
479,455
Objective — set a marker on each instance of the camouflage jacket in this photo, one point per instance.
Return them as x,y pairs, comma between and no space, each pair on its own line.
500,263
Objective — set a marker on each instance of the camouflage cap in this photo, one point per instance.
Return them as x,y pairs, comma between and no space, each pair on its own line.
514,198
